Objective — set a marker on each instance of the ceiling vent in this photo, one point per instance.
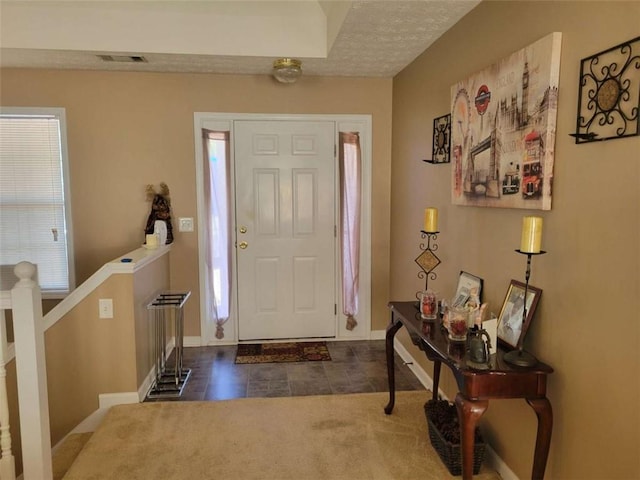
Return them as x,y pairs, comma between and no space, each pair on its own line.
123,58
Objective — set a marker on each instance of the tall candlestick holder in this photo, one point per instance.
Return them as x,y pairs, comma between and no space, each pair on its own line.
428,260
519,357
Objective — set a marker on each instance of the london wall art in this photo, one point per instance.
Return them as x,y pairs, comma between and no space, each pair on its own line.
503,128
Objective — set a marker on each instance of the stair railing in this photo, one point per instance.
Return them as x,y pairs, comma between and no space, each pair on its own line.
25,301
7,461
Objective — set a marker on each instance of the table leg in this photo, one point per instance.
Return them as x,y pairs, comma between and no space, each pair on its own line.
469,412
391,333
542,407
436,378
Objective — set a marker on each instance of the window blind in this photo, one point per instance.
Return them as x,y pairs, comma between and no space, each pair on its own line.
32,198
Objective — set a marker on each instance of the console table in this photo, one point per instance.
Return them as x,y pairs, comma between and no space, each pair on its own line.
475,386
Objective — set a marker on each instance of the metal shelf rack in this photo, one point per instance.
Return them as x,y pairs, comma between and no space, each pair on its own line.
170,377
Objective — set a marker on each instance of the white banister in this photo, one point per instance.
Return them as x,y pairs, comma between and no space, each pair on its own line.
28,328
7,461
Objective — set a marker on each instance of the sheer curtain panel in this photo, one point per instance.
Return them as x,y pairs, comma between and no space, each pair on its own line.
217,235
350,194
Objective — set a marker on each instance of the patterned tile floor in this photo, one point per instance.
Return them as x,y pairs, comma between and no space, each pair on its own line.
355,367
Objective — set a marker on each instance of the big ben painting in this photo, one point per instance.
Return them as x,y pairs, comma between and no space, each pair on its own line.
503,125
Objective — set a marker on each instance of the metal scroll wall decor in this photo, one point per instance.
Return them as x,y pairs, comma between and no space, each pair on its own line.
609,96
441,139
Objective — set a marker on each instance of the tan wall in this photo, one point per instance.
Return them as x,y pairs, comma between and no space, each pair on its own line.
87,355
126,130
586,325
14,414
147,283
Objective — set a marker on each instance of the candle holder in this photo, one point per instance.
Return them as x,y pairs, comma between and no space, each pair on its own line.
519,357
428,260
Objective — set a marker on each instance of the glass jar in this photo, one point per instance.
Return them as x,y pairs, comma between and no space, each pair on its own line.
458,323
428,304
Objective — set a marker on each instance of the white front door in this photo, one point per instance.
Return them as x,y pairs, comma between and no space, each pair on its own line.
285,221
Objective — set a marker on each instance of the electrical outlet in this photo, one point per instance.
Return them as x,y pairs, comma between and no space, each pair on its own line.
105,307
185,224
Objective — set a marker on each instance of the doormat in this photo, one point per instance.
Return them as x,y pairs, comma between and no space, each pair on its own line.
283,352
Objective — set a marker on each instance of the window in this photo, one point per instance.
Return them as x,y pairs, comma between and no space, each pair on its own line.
34,200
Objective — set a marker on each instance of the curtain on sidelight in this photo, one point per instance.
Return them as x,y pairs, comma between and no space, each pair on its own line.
218,251
350,193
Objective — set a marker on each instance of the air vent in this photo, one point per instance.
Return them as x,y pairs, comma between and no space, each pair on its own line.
123,58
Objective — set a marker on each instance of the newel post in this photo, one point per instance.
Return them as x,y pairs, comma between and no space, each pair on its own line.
33,401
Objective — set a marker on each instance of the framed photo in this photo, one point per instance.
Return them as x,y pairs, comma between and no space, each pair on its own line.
511,326
469,290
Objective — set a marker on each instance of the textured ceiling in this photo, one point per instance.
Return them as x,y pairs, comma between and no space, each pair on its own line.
376,39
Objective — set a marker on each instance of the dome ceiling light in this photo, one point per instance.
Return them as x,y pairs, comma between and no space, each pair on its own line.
287,70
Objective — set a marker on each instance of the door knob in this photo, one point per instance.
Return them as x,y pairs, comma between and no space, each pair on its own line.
243,229
243,245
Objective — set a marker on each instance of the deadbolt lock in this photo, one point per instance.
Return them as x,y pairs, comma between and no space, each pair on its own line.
243,229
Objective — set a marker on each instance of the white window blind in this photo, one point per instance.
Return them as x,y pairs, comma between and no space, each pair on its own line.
33,212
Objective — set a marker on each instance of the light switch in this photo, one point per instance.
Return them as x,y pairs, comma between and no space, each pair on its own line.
105,307
185,224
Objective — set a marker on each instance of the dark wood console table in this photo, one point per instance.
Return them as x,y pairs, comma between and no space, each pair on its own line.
475,386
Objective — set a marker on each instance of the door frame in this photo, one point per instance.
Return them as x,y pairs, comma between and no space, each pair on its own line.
343,122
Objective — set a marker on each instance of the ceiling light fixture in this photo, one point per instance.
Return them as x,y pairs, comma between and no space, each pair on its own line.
287,70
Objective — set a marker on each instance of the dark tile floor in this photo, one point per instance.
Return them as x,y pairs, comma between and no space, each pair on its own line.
355,367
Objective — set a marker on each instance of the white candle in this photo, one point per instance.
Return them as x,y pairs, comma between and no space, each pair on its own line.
531,235
431,220
152,240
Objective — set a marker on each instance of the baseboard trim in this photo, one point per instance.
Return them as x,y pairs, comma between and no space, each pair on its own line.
147,383
192,342
414,366
378,334
108,400
492,459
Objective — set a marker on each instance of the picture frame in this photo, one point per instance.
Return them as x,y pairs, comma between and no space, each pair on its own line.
469,286
511,327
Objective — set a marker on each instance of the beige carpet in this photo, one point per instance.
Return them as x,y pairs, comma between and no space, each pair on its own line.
301,438
66,454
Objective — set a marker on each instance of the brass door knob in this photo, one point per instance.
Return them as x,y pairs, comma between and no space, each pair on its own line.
243,245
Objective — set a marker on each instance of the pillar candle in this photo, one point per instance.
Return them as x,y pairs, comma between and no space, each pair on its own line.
431,220
531,235
152,240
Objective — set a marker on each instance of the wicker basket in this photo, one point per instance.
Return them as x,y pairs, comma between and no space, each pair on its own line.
450,453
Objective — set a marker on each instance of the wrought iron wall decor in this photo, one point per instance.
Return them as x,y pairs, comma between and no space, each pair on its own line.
441,139
609,96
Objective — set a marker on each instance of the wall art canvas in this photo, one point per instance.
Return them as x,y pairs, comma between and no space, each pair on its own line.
503,128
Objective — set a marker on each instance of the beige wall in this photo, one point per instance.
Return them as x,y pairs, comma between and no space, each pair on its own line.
147,283
126,130
587,325
87,355
14,415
